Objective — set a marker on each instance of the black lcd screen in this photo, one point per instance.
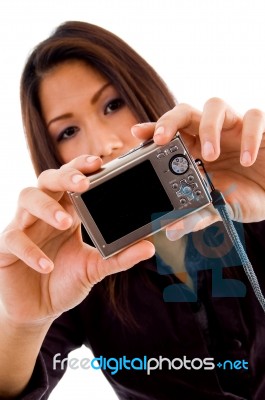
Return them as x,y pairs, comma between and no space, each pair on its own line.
127,201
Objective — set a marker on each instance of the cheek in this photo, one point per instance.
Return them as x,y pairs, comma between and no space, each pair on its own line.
68,151
134,142
125,130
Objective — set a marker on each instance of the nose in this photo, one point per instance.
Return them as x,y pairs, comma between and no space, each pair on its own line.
104,144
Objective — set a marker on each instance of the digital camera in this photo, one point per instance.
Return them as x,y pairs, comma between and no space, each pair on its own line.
140,193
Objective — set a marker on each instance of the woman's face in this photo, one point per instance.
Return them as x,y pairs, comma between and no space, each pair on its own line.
84,113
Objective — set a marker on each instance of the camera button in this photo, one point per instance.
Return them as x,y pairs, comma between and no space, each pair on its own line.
160,155
183,201
186,190
128,152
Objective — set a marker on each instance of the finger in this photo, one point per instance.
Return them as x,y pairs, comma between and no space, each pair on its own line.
35,204
43,204
143,131
142,250
216,116
85,163
70,177
127,258
252,134
192,223
19,246
181,118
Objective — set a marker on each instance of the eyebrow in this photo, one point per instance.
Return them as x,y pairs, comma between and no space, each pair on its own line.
99,93
94,99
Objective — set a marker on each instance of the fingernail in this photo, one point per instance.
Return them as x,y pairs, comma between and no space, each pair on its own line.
45,264
91,159
78,178
61,216
208,149
143,124
159,131
135,127
246,158
173,234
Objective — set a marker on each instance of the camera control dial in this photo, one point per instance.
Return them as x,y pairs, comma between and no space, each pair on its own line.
179,164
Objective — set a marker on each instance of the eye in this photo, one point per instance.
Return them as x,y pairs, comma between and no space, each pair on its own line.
67,133
113,105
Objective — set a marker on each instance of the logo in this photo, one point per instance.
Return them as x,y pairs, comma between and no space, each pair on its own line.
114,365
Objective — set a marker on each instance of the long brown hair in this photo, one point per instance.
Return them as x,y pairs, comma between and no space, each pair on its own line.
138,84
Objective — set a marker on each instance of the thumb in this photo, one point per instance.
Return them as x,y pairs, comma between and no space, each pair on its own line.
120,262
192,223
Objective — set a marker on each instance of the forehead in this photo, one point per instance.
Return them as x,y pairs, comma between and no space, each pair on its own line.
72,72
68,81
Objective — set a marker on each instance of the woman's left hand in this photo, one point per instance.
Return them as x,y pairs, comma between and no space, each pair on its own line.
233,150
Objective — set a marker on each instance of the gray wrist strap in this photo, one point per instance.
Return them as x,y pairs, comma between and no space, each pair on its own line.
230,228
220,205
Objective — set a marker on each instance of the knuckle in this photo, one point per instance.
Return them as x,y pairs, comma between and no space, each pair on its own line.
12,241
164,117
48,206
255,113
42,175
45,176
26,193
29,251
9,237
64,167
181,110
182,106
184,109
208,126
215,101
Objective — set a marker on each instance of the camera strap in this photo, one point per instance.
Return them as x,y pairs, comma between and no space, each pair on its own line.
220,205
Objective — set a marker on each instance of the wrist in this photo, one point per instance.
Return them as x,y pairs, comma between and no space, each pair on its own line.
20,345
32,328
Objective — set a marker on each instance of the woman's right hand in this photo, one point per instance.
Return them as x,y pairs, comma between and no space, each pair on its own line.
45,268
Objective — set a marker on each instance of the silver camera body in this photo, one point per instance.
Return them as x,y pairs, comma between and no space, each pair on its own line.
139,194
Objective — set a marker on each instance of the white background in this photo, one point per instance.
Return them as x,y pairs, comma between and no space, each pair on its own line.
202,48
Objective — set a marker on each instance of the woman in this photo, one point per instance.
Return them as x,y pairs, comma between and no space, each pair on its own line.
82,92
